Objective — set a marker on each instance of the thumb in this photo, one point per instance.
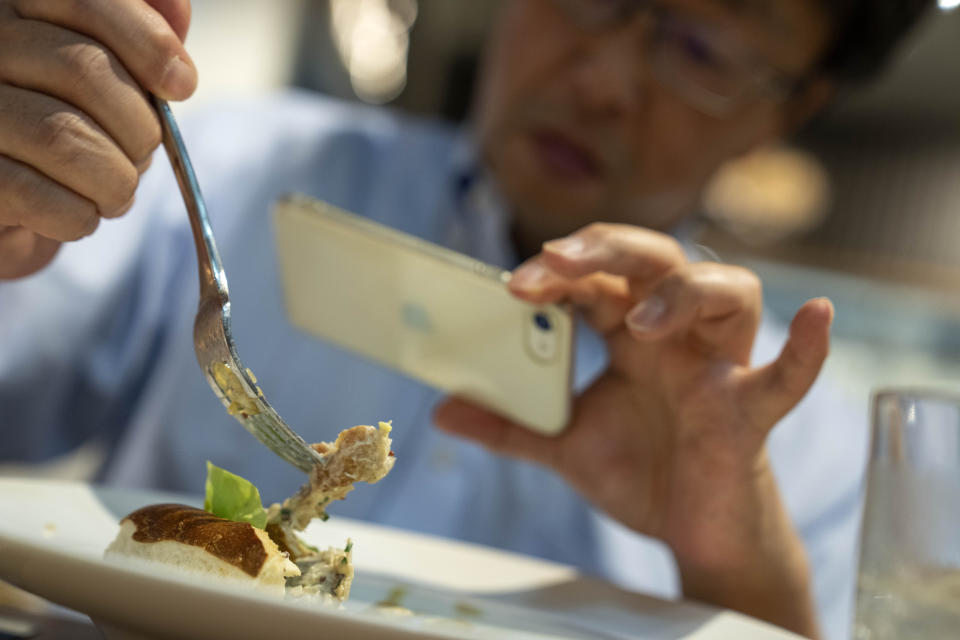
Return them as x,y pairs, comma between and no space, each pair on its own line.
770,392
176,13
500,435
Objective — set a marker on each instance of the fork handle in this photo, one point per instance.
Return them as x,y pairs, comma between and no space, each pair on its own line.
212,276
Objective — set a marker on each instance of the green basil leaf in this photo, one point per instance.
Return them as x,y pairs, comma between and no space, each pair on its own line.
232,497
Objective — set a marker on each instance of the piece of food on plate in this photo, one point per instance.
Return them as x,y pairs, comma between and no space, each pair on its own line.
360,454
235,537
193,539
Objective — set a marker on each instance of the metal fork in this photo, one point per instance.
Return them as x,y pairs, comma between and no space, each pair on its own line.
213,342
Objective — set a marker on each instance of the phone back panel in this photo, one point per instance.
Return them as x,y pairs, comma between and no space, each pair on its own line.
429,312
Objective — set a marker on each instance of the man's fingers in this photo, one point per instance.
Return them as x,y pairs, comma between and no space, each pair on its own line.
23,252
770,392
32,200
51,60
76,128
618,249
63,143
717,305
598,269
139,35
602,298
498,434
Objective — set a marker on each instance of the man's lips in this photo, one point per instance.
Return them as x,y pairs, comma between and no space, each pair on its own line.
564,157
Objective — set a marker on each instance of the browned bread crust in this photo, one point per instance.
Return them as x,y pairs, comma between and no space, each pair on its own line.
233,542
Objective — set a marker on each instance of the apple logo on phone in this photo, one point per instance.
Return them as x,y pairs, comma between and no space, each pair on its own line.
416,317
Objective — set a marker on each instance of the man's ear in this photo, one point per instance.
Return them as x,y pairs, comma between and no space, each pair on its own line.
808,101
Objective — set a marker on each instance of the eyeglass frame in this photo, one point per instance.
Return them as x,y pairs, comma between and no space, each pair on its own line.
767,80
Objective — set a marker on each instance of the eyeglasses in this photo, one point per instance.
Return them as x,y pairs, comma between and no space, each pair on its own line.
703,64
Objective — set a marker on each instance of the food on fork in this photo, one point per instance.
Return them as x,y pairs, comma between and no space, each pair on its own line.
234,537
240,404
360,454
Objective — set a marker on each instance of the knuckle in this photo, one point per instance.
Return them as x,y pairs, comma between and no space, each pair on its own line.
597,229
73,223
69,141
746,280
123,190
63,133
752,282
145,164
152,137
666,260
43,207
115,195
84,222
84,63
674,250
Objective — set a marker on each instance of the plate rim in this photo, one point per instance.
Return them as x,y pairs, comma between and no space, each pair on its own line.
184,588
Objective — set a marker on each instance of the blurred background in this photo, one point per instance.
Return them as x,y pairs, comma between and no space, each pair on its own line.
863,206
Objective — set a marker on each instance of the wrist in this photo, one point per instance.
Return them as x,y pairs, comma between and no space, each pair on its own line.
735,522
748,556
773,589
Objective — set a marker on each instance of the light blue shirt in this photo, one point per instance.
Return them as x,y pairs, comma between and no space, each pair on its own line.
99,346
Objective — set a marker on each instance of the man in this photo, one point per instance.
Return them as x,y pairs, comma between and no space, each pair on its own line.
589,110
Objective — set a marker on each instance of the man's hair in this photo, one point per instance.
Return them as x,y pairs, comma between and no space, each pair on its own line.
866,33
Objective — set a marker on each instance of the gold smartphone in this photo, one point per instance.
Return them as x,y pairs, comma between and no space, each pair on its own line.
429,312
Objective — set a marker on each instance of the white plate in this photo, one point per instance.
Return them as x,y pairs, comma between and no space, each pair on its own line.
52,537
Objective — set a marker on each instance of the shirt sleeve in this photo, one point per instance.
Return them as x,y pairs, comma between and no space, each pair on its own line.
80,335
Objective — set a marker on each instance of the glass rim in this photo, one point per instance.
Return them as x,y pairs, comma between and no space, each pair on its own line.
919,392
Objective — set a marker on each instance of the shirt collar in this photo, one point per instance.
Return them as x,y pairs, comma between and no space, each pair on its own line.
480,222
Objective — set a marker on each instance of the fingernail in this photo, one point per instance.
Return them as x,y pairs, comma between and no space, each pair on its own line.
179,78
572,247
529,276
647,315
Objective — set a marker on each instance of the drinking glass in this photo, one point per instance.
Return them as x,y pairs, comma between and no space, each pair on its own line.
909,577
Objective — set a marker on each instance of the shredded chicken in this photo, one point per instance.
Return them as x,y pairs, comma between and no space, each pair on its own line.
360,454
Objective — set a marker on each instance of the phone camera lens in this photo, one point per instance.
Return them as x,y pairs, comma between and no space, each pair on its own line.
542,321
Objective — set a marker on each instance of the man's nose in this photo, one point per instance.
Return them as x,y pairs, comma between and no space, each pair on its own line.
609,76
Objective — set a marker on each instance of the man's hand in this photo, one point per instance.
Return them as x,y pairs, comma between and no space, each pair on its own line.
76,128
670,439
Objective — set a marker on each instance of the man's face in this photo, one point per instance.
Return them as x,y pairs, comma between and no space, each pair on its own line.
578,124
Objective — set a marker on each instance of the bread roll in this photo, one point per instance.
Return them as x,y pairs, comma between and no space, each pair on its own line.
188,538
192,539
